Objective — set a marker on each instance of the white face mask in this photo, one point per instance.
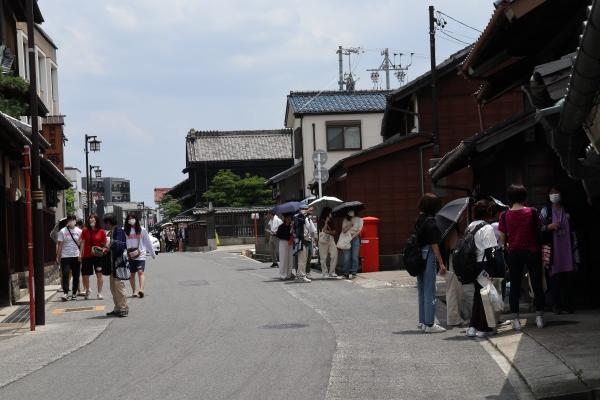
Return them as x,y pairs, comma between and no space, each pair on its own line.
555,198
351,213
71,224
131,222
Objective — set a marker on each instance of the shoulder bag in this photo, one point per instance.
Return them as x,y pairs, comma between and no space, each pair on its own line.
74,241
134,252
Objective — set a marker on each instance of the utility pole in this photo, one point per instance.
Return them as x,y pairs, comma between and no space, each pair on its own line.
37,196
387,65
341,68
434,98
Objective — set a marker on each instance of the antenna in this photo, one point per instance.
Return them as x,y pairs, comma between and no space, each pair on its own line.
346,78
387,65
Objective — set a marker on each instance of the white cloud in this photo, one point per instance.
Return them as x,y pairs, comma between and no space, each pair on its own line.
122,16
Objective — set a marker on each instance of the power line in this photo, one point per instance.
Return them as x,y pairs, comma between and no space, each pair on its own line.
451,41
459,34
460,22
452,37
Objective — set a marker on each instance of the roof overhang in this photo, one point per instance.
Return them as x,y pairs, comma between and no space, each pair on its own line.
294,170
52,176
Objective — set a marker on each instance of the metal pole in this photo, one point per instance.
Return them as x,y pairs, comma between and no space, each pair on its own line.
387,69
319,175
434,99
341,67
37,195
87,179
27,170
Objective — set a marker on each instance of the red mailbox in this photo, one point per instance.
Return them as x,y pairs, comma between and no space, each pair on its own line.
369,244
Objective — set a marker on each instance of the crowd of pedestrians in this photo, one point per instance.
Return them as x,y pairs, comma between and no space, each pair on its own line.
292,240
94,249
506,243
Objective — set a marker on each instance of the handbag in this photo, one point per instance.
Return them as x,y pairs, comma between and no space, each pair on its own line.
546,255
122,272
134,252
344,241
97,251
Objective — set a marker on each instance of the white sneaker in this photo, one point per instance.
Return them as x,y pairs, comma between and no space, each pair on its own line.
435,328
65,297
471,332
88,294
100,297
516,324
420,326
303,279
539,321
481,334
325,275
309,276
333,275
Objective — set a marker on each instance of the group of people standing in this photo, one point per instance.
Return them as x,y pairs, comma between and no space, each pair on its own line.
94,250
513,241
291,241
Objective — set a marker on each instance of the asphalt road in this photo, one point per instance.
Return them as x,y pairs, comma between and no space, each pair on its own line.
217,326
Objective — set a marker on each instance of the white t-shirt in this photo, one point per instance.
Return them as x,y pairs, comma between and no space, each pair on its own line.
484,238
274,223
70,248
309,229
357,225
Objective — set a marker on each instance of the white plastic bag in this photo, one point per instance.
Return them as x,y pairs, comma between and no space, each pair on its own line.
492,304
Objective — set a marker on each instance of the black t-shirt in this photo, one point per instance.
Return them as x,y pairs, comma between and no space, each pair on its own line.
427,230
284,232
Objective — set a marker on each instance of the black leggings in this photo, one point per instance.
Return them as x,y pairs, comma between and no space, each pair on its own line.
518,260
478,319
70,264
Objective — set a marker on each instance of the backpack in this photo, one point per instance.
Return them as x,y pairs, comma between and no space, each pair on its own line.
464,257
412,256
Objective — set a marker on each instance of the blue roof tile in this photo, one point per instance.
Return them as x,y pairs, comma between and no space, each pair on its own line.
337,101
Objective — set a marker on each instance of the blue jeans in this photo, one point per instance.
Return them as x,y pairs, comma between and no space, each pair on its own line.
351,257
426,288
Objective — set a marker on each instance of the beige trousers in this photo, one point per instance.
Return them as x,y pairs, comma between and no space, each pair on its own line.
459,300
117,289
327,247
302,259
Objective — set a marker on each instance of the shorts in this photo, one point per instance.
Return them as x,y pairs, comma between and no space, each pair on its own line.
97,265
137,265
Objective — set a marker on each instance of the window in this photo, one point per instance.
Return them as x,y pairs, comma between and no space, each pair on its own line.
344,136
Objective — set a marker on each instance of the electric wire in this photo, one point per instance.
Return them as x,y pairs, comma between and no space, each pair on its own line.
460,22
458,34
454,38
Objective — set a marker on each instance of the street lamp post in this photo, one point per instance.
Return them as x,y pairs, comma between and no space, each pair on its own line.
142,206
91,144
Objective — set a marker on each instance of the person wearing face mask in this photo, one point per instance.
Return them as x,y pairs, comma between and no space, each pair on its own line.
559,253
138,244
352,224
67,256
94,250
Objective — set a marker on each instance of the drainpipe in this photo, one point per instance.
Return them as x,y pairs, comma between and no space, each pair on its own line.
28,224
421,166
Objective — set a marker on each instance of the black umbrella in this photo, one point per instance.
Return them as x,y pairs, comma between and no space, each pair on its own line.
449,215
287,208
343,208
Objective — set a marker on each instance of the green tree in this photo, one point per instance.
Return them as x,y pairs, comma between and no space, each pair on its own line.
170,206
14,92
230,190
70,201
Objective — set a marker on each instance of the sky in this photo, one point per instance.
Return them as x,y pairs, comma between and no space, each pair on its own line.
140,74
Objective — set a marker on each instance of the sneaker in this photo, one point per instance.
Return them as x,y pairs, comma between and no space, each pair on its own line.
482,334
333,275
274,265
351,276
122,314
74,298
303,279
420,326
471,332
539,321
435,328
113,313
141,293
134,294
88,294
309,276
65,297
325,276
516,324
100,297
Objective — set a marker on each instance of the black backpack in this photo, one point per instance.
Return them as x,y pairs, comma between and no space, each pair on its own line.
464,257
412,256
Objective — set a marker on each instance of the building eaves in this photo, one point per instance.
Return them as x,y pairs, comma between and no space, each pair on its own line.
296,168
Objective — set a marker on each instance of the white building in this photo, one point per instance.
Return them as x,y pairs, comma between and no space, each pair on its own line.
339,122
74,175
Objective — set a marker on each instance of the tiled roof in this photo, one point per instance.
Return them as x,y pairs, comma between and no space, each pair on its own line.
327,102
239,145
200,210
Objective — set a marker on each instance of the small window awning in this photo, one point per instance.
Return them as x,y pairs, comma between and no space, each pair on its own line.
295,169
52,176
461,156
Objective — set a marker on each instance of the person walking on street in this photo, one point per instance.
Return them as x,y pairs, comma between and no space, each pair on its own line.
520,227
352,225
273,222
327,247
486,244
303,234
312,230
560,254
93,246
138,245
429,237
118,245
284,235
171,239
67,256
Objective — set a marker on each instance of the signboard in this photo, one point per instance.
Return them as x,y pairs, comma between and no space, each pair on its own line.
255,216
321,175
319,157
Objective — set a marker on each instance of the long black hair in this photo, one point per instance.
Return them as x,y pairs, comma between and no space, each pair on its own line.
138,228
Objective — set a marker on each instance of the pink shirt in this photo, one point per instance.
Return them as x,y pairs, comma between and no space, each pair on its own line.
520,229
